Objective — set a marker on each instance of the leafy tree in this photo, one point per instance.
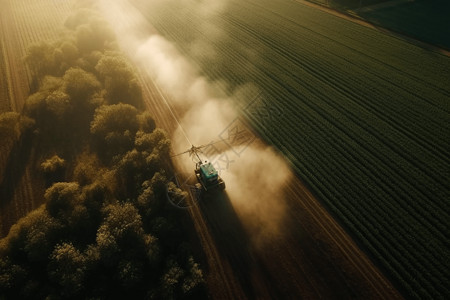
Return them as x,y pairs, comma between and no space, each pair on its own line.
53,164
33,236
49,108
172,280
86,169
114,127
58,105
130,273
119,80
194,279
89,61
123,221
156,141
50,84
54,169
69,51
13,125
65,55
120,232
12,276
66,202
40,59
61,198
67,268
80,86
114,118
83,242
53,112
130,170
152,250
146,122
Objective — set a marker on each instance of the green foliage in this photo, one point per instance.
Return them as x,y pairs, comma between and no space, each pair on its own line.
58,105
40,59
107,232
171,280
67,268
154,141
114,118
122,221
11,275
13,125
87,168
53,164
54,169
114,127
130,273
119,80
80,85
194,278
33,237
69,52
62,197
178,281
122,243
146,122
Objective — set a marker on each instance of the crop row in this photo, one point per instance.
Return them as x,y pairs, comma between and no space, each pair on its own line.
364,123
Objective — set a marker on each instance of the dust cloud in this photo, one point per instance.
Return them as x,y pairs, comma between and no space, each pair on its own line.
255,178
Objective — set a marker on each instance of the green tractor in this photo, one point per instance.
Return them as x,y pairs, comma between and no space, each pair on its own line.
207,176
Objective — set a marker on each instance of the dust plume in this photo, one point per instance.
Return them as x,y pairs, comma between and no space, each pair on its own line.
255,186
255,178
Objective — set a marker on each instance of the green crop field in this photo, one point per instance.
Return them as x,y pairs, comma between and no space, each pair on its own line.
425,20
362,116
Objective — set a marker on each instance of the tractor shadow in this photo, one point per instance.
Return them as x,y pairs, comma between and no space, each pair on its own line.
230,237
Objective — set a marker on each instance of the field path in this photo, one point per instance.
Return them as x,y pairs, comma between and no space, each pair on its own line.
313,257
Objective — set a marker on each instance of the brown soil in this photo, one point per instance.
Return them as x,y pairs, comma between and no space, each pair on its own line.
21,24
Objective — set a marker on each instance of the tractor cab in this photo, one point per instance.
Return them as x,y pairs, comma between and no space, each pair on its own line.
208,176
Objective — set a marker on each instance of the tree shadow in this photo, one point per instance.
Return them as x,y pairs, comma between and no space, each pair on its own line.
15,167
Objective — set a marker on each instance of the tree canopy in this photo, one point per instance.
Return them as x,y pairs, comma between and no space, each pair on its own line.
105,229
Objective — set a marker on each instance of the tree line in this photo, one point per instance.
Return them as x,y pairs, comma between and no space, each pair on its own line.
105,229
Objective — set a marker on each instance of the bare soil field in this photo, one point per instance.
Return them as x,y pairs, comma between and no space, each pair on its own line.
21,24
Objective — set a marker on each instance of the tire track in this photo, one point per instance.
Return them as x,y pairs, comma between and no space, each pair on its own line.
220,274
